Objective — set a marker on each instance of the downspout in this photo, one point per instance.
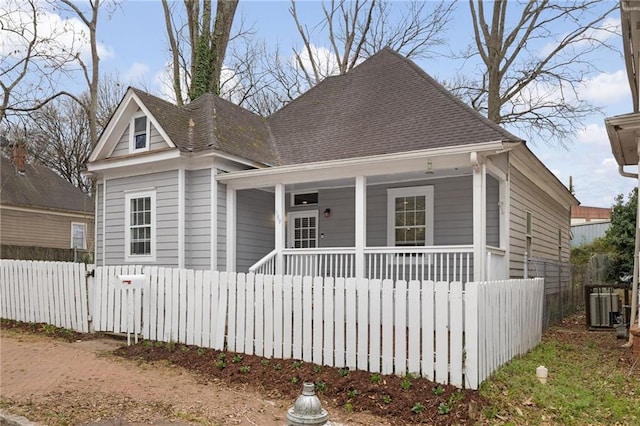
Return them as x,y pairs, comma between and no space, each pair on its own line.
634,287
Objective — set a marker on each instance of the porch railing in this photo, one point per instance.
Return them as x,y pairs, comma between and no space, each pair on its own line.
438,263
338,262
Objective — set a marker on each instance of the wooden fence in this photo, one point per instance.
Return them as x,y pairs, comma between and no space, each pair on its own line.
45,292
446,332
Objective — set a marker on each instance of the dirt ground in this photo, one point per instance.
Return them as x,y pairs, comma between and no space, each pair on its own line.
55,382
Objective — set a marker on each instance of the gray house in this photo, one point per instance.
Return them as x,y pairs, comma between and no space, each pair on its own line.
378,173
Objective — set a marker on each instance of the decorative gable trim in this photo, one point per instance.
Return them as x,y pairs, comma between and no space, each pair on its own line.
120,120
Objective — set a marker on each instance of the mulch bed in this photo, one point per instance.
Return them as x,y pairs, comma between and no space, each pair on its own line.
400,400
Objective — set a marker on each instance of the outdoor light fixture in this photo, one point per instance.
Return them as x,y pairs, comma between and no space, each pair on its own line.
327,212
429,168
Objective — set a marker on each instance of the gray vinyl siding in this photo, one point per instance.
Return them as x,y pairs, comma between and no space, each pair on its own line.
548,216
99,255
166,187
338,229
222,227
453,213
198,219
493,212
156,142
255,227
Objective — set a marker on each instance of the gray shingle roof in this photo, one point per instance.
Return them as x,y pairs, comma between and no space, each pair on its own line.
211,122
40,187
387,104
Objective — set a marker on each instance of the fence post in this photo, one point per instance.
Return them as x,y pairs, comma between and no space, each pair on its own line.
526,265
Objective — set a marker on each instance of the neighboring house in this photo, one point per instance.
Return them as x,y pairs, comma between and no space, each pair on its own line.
377,173
40,210
586,214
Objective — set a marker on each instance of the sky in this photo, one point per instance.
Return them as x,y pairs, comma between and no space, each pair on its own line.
133,44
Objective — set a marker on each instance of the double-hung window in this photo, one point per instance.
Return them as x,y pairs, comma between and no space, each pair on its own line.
139,133
79,236
410,216
140,226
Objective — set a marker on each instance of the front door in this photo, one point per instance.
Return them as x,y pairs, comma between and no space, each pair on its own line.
303,229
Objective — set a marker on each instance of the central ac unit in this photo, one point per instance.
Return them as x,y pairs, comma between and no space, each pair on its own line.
603,307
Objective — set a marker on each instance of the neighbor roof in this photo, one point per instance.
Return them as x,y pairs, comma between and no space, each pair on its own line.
385,105
40,187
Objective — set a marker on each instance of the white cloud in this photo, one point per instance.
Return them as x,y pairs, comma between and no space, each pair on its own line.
323,58
136,72
602,34
59,38
593,134
606,88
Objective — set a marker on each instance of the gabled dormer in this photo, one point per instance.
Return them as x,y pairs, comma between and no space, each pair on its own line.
133,129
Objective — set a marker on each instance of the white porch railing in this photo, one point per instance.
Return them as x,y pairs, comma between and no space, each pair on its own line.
438,263
337,262
266,265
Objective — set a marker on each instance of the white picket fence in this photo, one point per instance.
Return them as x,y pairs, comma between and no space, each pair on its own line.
45,292
439,330
446,332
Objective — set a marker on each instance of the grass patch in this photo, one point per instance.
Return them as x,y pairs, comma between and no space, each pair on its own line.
585,386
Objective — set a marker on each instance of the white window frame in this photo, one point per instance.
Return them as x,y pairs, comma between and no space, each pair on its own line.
291,216
528,228
392,194
84,235
132,133
129,257
293,198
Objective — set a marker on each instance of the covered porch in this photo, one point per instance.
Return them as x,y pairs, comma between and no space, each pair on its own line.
439,214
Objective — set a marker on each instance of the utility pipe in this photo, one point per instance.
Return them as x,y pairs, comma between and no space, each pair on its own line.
634,287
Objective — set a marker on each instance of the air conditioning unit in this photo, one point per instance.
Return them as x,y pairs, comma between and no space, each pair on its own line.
604,307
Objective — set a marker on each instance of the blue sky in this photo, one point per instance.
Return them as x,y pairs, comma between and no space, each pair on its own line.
133,44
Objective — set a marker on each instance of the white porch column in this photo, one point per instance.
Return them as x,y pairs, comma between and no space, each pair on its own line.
479,217
231,229
360,225
279,211
181,217
214,219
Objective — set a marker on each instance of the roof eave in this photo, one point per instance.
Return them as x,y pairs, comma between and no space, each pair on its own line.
369,165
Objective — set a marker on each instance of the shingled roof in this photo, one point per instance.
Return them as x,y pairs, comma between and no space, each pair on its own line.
40,187
211,122
385,105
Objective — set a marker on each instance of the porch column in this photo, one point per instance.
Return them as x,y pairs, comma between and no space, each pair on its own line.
360,225
479,216
279,212
231,229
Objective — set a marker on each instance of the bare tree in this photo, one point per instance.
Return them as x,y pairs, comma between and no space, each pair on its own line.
57,134
90,72
357,29
198,57
30,59
534,56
